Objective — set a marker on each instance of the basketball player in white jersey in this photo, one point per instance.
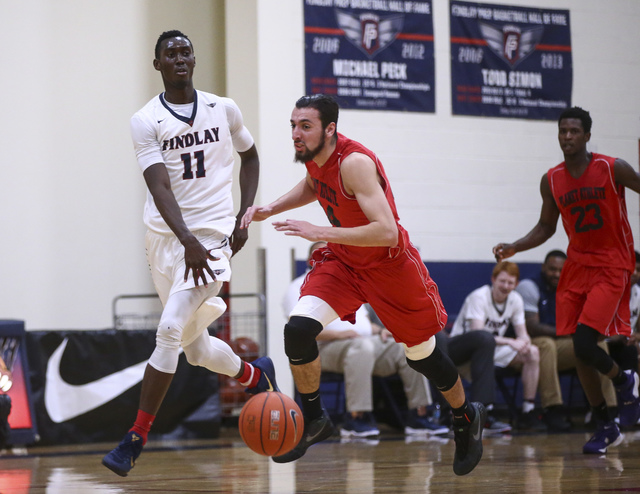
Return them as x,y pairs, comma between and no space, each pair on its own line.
184,140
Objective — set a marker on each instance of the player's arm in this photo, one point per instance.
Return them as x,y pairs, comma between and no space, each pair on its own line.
195,254
544,229
301,195
360,178
626,175
248,179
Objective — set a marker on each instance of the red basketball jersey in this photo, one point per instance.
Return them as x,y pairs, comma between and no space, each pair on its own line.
343,209
594,214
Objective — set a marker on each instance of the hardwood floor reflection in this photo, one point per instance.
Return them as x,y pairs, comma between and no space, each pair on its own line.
521,463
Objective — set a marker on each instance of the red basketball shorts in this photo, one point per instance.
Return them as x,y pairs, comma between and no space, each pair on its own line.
595,296
400,292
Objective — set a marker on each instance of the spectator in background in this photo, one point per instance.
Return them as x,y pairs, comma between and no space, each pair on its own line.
359,351
491,309
622,349
556,352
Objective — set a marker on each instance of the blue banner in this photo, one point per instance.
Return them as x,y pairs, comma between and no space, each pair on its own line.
512,62
371,54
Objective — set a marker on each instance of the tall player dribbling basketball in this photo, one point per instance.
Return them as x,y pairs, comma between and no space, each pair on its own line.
184,140
369,258
592,298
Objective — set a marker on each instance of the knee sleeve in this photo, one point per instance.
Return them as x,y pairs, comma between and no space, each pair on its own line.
585,346
438,368
165,356
300,339
213,354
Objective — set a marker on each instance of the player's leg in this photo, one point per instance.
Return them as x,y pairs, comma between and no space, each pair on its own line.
307,319
216,355
390,359
592,361
468,418
179,308
407,302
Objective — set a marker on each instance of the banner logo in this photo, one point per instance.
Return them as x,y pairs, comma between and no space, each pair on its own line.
511,43
368,32
64,401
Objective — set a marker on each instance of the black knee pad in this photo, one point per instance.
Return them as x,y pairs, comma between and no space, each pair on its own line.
585,346
438,368
300,340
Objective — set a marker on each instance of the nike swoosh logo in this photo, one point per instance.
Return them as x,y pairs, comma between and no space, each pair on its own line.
270,388
294,417
161,120
64,401
311,438
476,436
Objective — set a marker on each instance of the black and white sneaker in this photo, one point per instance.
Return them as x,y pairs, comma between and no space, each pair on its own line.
468,440
314,431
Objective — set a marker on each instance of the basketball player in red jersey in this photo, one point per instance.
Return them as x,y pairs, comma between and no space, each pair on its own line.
369,258
592,297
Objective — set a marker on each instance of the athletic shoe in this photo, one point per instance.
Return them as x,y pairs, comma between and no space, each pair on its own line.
530,421
314,431
123,458
629,400
556,419
5,410
364,426
417,424
267,381
468,440
607,435
494,426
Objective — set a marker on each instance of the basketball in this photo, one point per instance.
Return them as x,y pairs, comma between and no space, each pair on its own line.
271,423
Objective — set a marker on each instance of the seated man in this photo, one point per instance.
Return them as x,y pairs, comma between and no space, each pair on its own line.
492,308
625,350
556,352
359,351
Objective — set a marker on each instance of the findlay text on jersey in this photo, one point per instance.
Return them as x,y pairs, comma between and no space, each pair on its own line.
191,139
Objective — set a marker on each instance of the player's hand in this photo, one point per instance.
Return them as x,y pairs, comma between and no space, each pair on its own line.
195,262
520,346
238,238
255,213
503,251
299,229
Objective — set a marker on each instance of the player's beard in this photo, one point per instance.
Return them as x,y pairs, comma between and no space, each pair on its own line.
309,154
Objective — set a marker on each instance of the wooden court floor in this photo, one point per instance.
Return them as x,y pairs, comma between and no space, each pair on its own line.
541,463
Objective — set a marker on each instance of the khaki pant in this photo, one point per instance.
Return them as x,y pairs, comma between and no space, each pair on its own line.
556,355
360,358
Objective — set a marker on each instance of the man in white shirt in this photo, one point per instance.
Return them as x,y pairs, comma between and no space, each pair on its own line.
493,308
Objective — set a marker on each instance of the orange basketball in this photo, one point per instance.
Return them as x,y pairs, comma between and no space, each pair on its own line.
271,423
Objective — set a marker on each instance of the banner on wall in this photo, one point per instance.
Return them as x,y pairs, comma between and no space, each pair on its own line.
512,62
371,54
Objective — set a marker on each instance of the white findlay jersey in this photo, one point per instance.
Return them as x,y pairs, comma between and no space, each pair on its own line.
479,305
197,151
